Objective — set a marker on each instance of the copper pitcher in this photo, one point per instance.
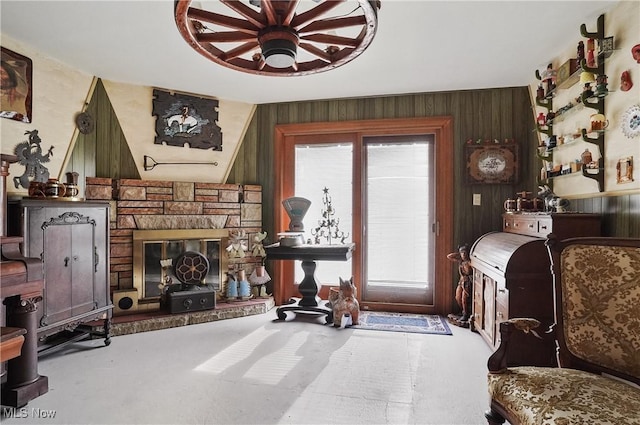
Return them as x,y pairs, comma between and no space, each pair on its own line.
36,189
54,189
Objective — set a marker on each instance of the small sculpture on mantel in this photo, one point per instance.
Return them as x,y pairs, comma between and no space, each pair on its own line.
464,288
237,247
258,245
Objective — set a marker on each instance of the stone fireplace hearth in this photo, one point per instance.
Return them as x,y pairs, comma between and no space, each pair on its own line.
164,205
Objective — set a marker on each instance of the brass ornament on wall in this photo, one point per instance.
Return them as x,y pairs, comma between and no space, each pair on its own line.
85,123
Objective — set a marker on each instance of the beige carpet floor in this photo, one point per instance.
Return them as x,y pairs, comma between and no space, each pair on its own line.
252,370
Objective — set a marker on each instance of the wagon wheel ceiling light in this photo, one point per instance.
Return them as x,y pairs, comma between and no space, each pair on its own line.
279,37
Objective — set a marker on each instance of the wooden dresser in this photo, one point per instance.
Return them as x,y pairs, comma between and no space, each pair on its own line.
72,239
512,276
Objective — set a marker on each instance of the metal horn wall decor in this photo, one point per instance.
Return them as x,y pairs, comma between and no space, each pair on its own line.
279,37
150,163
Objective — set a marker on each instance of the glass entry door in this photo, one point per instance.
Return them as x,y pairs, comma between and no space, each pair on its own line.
394,203
321,167
399,215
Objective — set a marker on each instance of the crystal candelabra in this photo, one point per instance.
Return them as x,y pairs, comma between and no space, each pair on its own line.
328,227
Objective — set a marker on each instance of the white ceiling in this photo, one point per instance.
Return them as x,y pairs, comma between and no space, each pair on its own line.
420,46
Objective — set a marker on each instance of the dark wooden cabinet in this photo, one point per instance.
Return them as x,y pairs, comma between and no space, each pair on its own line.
72,239
512,277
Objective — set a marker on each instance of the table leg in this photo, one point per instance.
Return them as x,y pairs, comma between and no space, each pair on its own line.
308,288
310,302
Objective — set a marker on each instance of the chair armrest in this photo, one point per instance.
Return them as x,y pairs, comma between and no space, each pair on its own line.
497,362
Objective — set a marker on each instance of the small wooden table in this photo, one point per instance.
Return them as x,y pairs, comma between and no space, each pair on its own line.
308,288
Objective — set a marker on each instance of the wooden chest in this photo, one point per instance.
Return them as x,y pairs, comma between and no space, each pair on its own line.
512,278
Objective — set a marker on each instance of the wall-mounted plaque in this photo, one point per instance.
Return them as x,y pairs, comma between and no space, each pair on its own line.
183,120
492,163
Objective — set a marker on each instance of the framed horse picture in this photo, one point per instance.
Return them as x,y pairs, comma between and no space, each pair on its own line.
16,73
183,120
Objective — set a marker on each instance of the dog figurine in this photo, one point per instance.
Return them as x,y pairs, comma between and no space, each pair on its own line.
344,303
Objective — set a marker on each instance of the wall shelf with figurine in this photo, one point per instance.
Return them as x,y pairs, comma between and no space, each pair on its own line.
588,69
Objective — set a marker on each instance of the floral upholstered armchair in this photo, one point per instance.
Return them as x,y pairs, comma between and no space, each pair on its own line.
597,332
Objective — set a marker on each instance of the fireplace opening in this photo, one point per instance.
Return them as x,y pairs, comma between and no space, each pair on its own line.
155,253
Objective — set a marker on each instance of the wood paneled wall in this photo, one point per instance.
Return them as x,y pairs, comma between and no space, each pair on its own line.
621,214
104,152
492,113
486,114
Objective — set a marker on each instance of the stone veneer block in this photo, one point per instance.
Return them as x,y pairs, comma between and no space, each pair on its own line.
183,208
252,197
207,192
145,183
251,212
223,186
141,211
121,260
95,192
121,267
232,221
121,250
120,239
140,204
150,222
104,181
222,211
113,211
183,191
229,196
126,222
159,196
160,190
252,226
132,193
204,198
223,206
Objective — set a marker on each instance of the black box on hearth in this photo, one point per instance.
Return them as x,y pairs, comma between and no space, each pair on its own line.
200,299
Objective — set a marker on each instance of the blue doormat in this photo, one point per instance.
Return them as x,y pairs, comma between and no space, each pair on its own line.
403,322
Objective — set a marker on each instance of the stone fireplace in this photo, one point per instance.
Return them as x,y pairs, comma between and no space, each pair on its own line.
194,216
153,247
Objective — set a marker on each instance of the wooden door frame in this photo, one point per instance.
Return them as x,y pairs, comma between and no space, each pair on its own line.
442,128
